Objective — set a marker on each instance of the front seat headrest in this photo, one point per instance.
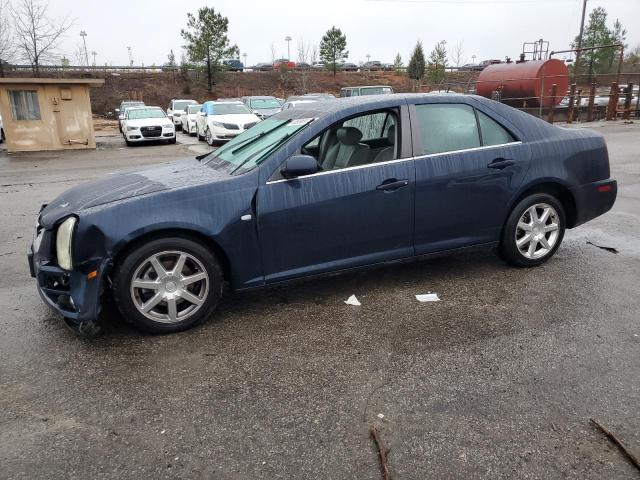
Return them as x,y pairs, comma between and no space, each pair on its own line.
391,134
349,135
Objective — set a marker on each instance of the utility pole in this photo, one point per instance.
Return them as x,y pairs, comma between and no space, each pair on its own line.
94,53
577,64
288,40
83,34
130,57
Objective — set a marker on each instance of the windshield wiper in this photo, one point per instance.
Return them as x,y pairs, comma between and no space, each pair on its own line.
265,151
250,140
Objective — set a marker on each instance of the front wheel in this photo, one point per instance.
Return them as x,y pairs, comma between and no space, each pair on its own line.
208,136
200,137
534,231
168,285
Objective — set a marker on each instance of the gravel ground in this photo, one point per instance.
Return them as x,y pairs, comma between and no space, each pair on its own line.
497,380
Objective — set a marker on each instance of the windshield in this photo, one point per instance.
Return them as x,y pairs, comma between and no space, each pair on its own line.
375,90
182,105
131,104
145,113
227,109
193,108
248,149
261,103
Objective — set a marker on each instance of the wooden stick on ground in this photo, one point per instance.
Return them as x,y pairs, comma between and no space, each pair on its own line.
382,452
620,445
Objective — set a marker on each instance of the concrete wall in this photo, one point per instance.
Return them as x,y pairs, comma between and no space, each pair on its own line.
65,124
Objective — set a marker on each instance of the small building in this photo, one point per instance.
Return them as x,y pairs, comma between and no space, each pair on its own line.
47,113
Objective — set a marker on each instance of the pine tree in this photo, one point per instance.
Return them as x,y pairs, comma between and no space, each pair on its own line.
333,48
417,63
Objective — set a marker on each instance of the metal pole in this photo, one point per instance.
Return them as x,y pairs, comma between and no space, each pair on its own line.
83,34
288,40
577,64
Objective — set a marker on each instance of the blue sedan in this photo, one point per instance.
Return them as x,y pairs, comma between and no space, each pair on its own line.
329,186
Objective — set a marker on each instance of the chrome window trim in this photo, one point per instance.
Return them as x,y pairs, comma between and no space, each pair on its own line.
464,150
390,162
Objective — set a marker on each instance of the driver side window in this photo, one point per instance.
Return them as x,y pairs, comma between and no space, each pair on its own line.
361,140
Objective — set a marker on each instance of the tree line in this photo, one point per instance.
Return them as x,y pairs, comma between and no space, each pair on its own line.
28,33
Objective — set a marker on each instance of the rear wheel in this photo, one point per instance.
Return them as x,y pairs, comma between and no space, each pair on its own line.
168,285
534,231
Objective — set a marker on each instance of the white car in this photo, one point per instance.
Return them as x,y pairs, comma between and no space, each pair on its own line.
177,108
189,119
221,121
146,124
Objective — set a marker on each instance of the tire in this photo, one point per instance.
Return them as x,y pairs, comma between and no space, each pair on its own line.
200,137
129,144
199,262
172,141
528,241
209,137
2,137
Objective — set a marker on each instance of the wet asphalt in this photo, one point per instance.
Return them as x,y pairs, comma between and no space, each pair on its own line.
497,380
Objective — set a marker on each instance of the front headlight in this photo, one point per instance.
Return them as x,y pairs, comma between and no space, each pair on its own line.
216,124
64,237
129,129
168,125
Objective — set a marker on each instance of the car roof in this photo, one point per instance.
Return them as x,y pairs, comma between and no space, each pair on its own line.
323,109
145,107
260,97
368,86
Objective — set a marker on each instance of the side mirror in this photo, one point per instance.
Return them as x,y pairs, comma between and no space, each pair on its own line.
298,166
117,110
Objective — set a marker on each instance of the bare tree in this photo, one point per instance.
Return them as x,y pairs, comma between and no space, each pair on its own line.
273,53
7,42
314,54
457,54
78,53
303,51
37,34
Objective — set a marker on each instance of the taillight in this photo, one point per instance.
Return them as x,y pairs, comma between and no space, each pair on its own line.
604,188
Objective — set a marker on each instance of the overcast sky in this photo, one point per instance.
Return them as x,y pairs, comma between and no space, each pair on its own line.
380,28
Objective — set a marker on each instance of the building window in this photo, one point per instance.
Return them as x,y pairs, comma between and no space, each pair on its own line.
24,105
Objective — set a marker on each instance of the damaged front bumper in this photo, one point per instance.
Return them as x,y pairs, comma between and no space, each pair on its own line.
76,295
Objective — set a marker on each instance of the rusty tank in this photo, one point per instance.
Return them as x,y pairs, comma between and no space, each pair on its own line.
525,83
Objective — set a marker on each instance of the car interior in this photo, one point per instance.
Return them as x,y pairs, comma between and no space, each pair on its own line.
361,140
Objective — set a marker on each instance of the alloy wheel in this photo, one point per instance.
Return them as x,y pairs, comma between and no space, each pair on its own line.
537,231
169,287
208,137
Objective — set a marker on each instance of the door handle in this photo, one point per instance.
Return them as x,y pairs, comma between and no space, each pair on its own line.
500,163
392,185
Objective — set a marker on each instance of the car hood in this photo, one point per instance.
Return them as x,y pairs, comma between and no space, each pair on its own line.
267,111
236,119
121,186
148,122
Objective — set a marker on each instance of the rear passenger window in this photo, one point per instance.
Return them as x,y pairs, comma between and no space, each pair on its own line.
447,127
492,132
371,126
